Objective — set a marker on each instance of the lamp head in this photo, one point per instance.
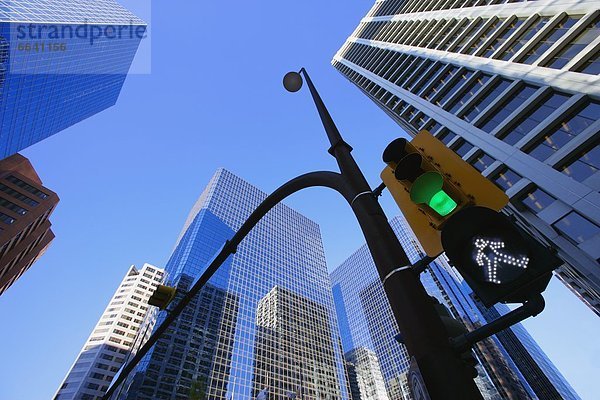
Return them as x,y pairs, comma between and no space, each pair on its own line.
292,81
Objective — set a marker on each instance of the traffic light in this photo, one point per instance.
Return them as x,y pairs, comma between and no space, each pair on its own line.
162,296
430,183
499,260
425,185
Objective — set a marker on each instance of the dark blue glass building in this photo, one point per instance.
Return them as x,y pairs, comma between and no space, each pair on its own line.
60,63
265,323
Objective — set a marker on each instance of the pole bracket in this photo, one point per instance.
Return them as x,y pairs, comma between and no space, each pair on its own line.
379,190
421,265
530,308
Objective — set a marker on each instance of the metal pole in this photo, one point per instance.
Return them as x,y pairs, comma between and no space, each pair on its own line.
444,373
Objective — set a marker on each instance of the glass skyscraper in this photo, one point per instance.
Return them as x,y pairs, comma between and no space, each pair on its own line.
378,363
510,86
60,63
543,377
265,322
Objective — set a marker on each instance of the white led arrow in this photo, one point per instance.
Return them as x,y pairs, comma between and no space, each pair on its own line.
491,259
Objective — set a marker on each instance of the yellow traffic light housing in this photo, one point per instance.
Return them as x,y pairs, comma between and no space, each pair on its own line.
162,296
430,183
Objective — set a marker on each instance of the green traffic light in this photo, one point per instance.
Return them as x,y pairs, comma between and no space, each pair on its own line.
442,204
428,189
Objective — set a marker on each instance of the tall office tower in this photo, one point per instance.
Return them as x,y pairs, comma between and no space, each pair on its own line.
25,206
265,323
60,63
368,327
115,334
513,89
543,377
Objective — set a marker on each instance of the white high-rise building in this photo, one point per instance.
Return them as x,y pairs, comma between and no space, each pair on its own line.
115,334
510,86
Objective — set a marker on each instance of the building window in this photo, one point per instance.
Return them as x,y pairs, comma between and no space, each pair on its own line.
445,30
506,107
433,126
463,148
566,54
418,73
460,27
484,36
472,31
6,219
446,137
492,95
438,86
524,38
455,85
17,195
12,206
591,65
536,200
565,131
27,187
530,121
468,93
501,39
431,74
482,161
549,39
585,165
506,178
576,228
419,121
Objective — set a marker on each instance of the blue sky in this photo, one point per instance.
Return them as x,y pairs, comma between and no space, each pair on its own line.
128,176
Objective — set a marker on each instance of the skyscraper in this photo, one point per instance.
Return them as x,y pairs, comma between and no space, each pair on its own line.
513,89
543,377
367,327
25,206
60,63
115,335
265,323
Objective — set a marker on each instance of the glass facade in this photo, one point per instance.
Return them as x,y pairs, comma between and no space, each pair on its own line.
265,323
541,374
512,90
60,63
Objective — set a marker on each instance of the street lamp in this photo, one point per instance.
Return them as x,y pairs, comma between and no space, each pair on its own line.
444,374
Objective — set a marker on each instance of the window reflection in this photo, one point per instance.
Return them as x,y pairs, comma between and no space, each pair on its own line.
585,165
506,178
576,228
537,200
565,131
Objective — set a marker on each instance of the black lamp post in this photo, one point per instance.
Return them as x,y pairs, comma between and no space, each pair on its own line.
444,374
